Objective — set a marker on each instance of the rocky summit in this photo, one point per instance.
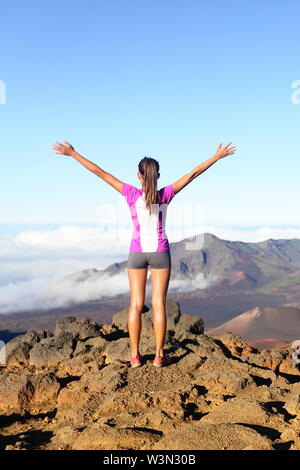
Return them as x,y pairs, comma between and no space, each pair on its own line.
74,388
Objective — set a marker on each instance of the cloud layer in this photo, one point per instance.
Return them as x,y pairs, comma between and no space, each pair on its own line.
34,262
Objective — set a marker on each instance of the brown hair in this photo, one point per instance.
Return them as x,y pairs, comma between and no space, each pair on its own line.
149,169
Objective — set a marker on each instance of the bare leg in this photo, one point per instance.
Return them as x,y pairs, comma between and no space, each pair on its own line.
160,283
137,280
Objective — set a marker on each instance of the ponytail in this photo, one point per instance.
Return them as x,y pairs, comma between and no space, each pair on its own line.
149,169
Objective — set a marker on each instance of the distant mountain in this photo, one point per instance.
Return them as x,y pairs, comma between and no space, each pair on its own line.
269,343
219,279
211,277
280,324
222,263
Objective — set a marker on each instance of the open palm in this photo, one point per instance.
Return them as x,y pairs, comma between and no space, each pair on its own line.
63,149
224,151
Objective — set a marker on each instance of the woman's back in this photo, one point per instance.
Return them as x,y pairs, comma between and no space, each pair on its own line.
149,229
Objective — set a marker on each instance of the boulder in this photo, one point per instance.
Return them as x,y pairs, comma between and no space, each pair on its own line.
208,436
81,328
188,326
21,393
120,319
51,351
18,348
110,438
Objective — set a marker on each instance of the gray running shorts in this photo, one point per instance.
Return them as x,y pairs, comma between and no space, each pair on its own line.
154,259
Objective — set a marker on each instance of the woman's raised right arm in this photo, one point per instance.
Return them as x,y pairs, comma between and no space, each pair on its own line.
186,179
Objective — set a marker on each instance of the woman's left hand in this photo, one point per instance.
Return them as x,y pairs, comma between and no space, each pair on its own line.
66,149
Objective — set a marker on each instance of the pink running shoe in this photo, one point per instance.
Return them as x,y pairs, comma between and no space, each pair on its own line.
136,361
160,361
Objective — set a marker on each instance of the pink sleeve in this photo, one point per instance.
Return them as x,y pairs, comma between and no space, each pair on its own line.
167,194
130,192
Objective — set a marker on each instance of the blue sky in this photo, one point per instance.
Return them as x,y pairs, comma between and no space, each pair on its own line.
168,79
122,79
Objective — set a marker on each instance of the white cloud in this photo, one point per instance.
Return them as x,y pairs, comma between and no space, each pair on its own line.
68,238
43,294
199,282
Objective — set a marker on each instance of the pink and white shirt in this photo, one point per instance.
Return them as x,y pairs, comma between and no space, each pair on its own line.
148,229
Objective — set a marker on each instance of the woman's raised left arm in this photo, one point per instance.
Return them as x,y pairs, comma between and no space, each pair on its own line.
67,149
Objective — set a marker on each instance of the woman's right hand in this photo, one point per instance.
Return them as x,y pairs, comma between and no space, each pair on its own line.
64,149
224,151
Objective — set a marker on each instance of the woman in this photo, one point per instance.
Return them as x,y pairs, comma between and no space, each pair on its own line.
149,244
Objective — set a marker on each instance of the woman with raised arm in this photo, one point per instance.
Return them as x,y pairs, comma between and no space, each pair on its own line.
149,244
